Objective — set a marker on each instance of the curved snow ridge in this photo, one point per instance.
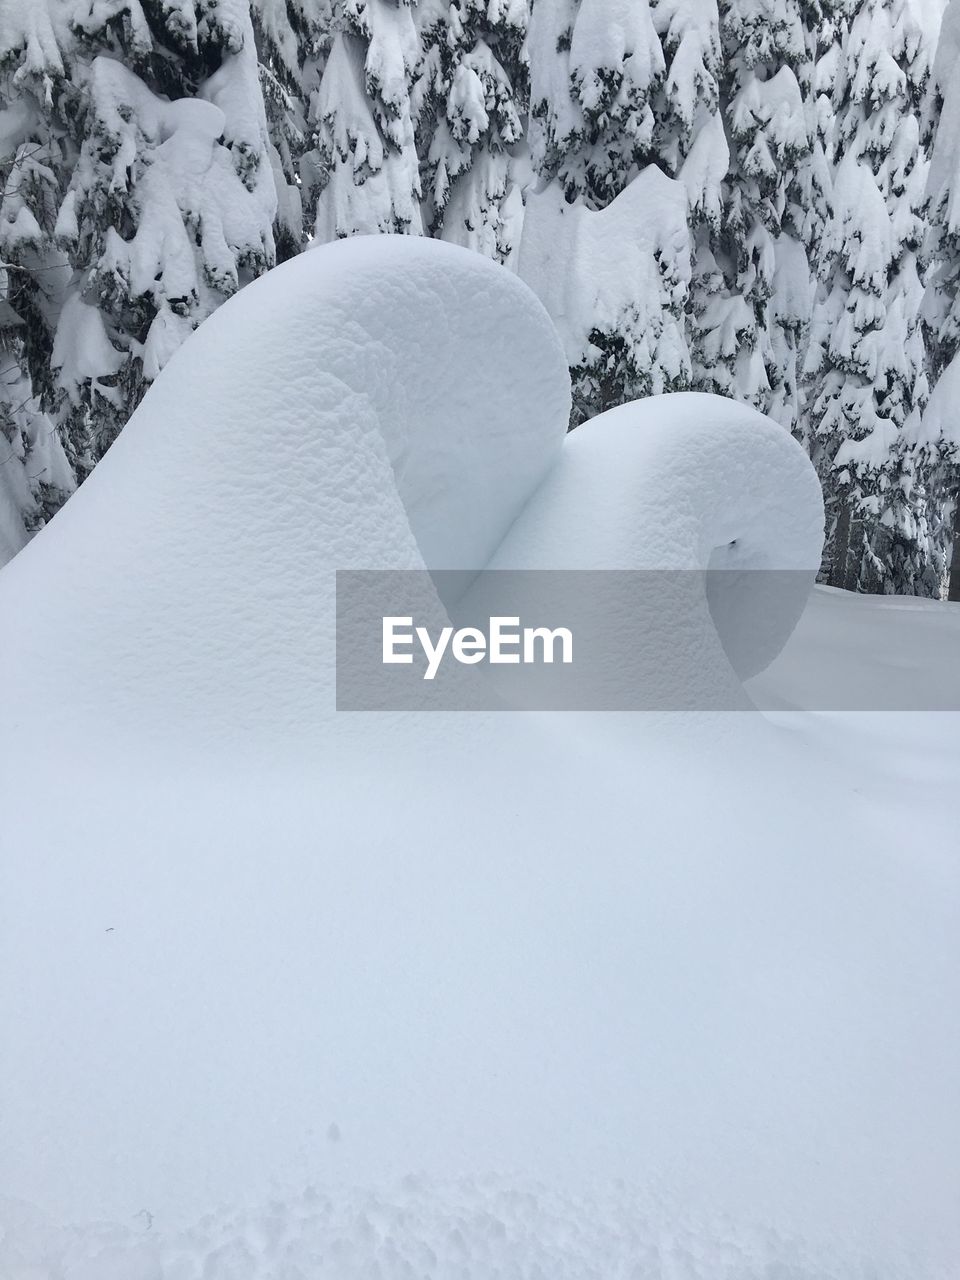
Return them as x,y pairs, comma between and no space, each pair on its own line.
474,1229
670,482
334,414
672,486
385,402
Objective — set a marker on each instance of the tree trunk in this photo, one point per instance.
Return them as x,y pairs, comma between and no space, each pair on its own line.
954,588
840,568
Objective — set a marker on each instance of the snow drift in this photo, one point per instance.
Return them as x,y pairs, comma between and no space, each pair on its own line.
256,946
331,415
334,415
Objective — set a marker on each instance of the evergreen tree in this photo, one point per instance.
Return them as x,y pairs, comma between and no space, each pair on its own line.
867,359
753,286
293,40
156,190
825,30
619,89
284,39
596,68
35,477
940,437
362,174
171,201
471,103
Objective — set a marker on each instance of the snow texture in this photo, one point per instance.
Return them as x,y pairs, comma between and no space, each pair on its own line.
621,270
625,966
331,416
681,482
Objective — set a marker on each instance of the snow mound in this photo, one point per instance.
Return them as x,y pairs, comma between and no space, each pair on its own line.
681,483
568,949
332,415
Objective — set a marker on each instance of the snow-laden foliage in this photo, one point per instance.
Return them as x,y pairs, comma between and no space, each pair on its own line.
940,436
722,100
596,66
141,192
866,358
942,301
471,104
753,286
364,172
34,475
615,283
170,204
772,155
617,88
289,35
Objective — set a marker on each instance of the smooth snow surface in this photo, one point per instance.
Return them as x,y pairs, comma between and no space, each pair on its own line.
535,996
604,270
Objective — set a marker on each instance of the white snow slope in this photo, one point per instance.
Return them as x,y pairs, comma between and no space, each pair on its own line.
292,994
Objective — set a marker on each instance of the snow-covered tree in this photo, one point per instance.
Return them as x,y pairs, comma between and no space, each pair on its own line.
293,38
596,67
35,477
866,359
753,286
154,184
471,103
618,87
171,201
940,437
34,474
363,175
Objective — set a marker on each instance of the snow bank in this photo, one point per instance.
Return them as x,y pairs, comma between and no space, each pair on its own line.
683,483
332,415
577,951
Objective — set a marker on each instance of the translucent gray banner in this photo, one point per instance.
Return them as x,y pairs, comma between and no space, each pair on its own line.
584,640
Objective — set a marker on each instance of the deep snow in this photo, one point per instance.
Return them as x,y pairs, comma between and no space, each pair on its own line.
625,995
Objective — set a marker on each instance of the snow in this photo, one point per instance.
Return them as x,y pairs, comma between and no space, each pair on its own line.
620,269
277,430
912,668
82,349
191,195
678,483
473,1226
449,994
38,30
